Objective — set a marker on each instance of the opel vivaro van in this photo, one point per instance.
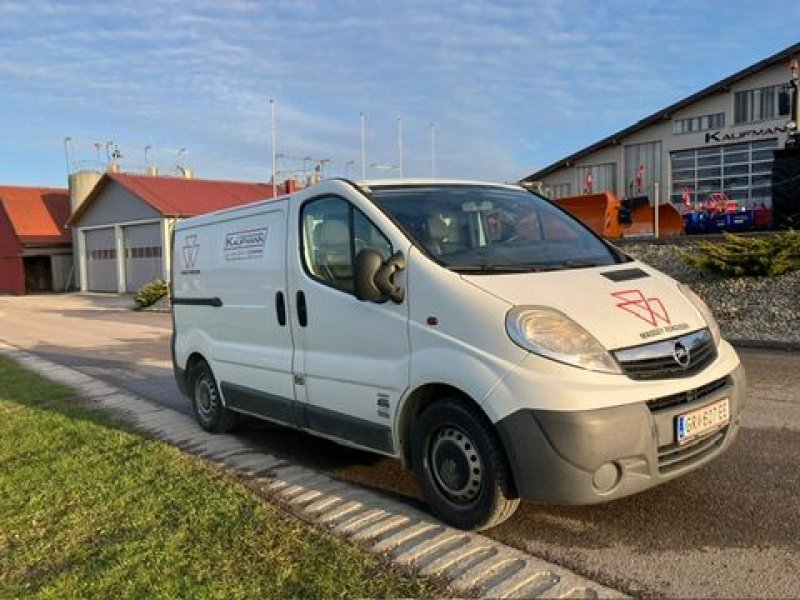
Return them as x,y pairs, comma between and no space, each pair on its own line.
474,331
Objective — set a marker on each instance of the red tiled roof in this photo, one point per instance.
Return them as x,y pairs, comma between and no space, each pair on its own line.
178,197
38,215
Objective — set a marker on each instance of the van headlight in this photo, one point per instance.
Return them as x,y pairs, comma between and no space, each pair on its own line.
552,334
703,309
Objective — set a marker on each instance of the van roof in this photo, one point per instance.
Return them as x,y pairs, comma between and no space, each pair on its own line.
326,184
374,183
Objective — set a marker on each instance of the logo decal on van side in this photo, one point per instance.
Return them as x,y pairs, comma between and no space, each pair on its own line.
383,405
649,310
190,249
245,245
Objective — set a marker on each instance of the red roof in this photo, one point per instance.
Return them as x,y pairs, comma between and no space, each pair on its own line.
37,215
179,197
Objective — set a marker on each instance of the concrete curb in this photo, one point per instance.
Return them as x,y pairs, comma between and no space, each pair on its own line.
766,345
471,563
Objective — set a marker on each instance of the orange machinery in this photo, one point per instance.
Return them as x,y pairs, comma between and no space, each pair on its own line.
602,214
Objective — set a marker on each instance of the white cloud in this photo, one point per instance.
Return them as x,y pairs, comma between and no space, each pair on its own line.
510,86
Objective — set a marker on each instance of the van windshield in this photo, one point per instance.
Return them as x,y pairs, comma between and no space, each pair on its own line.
486,229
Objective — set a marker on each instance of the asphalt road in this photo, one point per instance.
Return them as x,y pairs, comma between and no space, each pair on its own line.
731,529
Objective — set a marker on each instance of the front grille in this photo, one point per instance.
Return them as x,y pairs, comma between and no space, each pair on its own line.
687,397
657,360
674,457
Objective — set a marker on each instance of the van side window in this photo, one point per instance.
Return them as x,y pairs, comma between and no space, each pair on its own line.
334,232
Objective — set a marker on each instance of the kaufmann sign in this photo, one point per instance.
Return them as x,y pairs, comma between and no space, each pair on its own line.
744,134
245,245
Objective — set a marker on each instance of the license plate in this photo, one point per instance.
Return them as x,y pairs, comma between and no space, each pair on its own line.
703,420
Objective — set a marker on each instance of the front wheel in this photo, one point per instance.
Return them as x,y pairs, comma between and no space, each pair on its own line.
461,466
208,408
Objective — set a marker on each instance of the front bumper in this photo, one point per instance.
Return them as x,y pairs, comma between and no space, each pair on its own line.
591,456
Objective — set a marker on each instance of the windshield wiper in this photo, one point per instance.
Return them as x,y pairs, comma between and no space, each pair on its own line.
500,268
522,268
576,264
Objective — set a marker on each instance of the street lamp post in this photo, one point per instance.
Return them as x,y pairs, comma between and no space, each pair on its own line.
363,146
273,143
400,144
433,150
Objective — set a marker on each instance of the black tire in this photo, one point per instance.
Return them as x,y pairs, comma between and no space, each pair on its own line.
461,466
206,402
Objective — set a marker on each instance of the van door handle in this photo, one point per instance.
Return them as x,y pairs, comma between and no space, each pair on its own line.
302,314
280,308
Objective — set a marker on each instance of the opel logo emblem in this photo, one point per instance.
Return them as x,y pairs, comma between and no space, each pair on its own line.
681,355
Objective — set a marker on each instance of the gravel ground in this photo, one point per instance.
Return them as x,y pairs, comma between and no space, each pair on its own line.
757,309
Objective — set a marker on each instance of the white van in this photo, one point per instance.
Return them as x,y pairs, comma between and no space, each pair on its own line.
475,331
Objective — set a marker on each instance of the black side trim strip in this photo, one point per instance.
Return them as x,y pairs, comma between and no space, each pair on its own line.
363,432
258,403
300,414
215,302
625,274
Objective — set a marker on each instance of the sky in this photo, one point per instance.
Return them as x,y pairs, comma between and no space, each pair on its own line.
509,86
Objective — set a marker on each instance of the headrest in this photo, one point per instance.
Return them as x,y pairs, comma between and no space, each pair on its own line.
331,233
438,229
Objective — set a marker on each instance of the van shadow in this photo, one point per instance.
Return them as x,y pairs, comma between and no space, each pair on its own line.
116,315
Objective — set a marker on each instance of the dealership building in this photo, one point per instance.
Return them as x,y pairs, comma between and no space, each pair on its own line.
720,139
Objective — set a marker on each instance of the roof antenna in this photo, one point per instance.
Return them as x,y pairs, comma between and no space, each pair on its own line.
181,167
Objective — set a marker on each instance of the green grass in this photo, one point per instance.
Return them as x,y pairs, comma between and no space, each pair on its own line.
88,509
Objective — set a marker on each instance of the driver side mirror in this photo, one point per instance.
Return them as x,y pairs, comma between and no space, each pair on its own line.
374,277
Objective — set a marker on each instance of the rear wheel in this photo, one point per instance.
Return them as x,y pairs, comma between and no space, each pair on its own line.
461,466
208,408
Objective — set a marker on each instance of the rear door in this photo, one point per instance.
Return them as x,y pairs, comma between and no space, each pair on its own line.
351,357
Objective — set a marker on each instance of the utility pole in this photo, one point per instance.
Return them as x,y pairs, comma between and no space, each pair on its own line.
273,143
433,150
658,203
400,143
363,146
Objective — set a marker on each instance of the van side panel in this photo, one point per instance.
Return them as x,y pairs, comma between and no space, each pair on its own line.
457,332
239,261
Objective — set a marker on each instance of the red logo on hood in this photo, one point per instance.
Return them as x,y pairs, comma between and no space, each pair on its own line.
647,309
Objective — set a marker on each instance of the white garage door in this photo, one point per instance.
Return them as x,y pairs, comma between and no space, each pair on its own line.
143,254
101,260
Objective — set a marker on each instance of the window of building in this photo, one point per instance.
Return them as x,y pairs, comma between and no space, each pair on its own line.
642,168
560,190
604,178
742,171
761,104
697,124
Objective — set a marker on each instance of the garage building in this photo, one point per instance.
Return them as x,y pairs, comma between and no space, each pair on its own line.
123,227
720,139
35,244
